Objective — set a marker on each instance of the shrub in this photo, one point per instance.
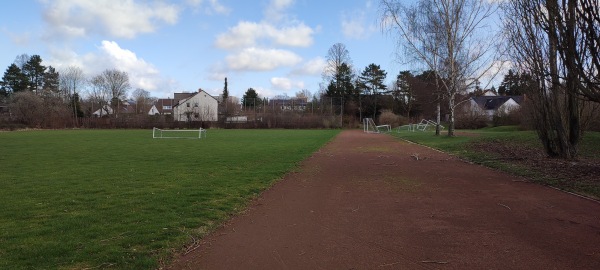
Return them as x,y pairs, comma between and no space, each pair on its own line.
512,118
470,120
387,117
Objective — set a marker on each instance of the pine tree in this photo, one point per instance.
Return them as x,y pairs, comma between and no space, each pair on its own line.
225,91
14,80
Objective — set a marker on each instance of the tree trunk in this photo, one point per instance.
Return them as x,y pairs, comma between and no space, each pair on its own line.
438,117
451,120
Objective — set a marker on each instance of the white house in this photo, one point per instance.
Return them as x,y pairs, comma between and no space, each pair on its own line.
493,105
153,110
198,106
104,111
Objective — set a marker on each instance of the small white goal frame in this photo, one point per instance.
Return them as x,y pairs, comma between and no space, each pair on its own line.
158,133
370,127
421,126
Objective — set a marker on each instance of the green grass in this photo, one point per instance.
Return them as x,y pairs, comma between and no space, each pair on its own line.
119,199
512,137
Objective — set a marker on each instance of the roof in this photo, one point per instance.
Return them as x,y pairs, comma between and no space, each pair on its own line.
164,102
181,96
494,102
191,95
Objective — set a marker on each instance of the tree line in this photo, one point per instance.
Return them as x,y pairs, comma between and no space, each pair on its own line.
40,95
553,45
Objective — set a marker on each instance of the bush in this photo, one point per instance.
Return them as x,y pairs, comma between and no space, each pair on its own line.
387,117
512,118
470,120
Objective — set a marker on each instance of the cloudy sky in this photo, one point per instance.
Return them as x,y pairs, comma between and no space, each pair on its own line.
274,46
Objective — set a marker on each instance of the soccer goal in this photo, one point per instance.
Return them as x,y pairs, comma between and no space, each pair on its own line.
424,124
370,127
158,133
421,126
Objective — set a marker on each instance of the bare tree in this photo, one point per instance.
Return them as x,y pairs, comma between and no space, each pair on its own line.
449,37
98,96
304,94
143,100
111,84
21,60
336,56
28,108
71,82
585,40
556,42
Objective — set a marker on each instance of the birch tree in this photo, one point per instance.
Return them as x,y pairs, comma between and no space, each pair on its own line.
449,37
71,82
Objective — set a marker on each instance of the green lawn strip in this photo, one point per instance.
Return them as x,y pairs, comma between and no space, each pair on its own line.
461,146
120,199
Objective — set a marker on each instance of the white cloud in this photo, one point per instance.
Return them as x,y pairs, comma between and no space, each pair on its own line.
275,11
111,56
141,74
296,36
125,19
355,24
21,39
353,28
212,6
312,67
493,74
246,34
286,84
255,59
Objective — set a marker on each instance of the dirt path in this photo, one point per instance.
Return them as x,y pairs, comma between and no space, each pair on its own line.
368,201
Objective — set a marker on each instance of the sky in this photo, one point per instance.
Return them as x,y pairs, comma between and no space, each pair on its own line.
277,47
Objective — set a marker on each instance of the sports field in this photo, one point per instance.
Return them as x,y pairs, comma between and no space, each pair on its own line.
75,199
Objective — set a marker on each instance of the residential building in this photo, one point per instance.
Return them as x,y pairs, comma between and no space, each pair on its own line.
199,106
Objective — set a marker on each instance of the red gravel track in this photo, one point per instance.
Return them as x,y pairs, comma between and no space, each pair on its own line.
369,201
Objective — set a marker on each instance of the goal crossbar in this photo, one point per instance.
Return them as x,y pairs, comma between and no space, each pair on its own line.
158,133
370,127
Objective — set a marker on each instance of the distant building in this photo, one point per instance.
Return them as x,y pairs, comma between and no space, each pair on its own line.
286,103
199,106
490,105
162,106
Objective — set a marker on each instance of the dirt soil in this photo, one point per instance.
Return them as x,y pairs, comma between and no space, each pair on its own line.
369,201
583,173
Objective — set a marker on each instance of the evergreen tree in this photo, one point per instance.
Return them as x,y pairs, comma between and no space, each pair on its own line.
341,85
225,91
371,80
404,92
251,99
14,80
51,80
512,84
35,71
371,83
75,104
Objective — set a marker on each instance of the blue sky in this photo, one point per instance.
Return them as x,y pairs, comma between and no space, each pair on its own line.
274,46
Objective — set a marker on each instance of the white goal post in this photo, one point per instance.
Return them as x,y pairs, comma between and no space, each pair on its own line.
370,127
158,133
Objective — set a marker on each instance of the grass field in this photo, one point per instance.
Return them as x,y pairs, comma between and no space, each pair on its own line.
518,143
119,199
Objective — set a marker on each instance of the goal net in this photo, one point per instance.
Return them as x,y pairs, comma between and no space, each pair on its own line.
158,133
370,127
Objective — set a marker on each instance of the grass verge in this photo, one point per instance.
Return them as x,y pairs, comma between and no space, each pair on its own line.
520,152
119,199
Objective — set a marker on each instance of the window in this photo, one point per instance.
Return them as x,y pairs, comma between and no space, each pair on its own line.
166,107
197,115
187,104
196,104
